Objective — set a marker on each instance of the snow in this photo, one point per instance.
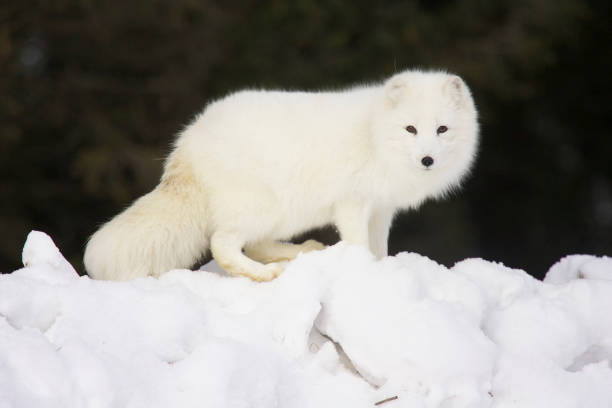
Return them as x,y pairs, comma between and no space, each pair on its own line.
337,329
579,266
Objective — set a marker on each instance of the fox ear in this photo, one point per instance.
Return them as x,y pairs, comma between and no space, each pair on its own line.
456,88
394,89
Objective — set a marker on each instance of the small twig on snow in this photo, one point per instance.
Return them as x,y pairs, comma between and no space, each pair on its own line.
386,400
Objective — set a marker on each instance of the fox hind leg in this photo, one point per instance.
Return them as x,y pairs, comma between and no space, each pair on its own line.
268,251
226,248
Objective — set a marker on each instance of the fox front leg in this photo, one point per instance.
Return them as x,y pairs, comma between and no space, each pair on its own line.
352,220
379,227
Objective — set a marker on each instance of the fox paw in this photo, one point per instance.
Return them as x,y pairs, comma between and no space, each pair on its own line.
267,272
311,245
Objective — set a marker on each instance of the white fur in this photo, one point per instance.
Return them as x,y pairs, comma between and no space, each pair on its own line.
257,167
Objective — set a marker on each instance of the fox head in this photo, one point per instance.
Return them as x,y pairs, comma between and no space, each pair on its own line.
427,124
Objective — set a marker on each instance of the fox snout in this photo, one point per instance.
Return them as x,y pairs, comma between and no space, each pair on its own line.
427,161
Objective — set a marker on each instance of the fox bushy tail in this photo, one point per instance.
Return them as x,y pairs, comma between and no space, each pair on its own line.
164,229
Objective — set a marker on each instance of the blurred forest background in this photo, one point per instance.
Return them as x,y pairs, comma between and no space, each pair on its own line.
92,94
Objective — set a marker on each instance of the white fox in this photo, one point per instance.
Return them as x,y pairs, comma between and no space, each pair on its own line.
259,167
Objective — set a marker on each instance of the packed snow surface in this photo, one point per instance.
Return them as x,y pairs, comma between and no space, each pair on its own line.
337,329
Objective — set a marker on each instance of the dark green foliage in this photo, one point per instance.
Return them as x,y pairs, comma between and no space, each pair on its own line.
93,92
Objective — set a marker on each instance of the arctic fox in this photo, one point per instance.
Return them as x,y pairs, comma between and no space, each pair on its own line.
259,167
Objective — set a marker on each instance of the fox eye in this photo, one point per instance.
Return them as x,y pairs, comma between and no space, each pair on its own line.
411,129
442,129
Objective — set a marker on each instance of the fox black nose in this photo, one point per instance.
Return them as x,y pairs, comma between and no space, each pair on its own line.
427,161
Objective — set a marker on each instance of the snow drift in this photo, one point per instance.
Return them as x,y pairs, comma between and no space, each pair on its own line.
337,329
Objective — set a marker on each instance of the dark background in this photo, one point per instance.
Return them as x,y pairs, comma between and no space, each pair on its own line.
93,92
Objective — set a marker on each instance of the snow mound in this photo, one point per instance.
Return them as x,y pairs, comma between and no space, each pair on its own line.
337,329
580,267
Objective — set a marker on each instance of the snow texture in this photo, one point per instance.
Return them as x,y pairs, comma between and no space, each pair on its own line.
337,329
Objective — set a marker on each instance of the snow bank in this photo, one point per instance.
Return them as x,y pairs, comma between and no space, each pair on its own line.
337,329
